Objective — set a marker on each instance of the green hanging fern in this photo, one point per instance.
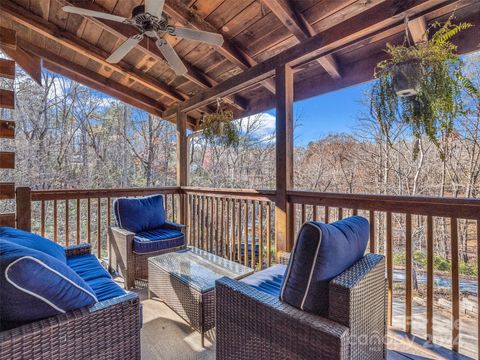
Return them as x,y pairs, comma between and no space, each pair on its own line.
441,85
219,128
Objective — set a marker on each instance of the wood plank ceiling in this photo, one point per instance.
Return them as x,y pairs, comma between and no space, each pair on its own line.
254,32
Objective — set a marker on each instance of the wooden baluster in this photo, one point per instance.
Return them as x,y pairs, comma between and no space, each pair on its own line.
388,255
109,211
99,228
354,212
234,238
211,229
304,213
222,243
260,231
215,225
315,213
67,228
55,211
89,221
193,214
245,249
172,215
165,202
408,274
327,214
202,221
268,234
42,218
340,213
189,218
77,232
254,234
478,287
239,240
228,244
429,278
372,231
455,285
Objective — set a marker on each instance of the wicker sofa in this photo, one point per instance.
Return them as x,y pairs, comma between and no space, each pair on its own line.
109,329
254,324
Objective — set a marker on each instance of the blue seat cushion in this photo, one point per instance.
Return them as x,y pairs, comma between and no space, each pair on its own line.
141,214
35,285
94,274
269,280
33,241
321,252
155,240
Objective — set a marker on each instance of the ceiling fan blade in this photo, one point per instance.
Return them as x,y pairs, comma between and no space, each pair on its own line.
171,56
125,48
154,7
199,35
98,14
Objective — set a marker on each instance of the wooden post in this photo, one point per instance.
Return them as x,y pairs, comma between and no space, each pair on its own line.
182,162
284,158
24,208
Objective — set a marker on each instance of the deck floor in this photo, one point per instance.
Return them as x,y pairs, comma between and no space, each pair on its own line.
166,336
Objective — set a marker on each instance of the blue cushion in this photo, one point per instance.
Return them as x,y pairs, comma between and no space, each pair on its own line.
33,241
34,285
89,269
155,240
269,280
140,214
321,252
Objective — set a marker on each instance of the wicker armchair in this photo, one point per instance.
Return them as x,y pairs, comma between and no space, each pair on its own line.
109,329
128,264
253,324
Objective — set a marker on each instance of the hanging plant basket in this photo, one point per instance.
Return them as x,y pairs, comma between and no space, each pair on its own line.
219,128
422,85
406,78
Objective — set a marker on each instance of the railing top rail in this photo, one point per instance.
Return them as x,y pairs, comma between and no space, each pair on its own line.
38,195
446,207
253,194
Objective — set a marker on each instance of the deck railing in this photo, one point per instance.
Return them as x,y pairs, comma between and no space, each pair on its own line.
239,224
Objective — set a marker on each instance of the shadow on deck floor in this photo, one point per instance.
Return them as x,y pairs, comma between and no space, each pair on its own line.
166,336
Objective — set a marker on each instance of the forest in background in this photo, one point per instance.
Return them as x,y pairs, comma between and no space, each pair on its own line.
70,136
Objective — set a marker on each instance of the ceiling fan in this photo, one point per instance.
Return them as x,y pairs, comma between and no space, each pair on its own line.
151,22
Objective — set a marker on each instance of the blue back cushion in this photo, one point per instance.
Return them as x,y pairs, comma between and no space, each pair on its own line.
34,285
33,241
140,214
321,252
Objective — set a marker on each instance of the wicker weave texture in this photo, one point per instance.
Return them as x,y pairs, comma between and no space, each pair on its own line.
195,308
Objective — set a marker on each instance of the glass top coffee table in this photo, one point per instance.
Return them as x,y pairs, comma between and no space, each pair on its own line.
185,281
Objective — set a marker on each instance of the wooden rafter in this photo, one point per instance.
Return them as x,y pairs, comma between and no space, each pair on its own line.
150,50
418,29
381,18
69,40
301,29
234,54
30,63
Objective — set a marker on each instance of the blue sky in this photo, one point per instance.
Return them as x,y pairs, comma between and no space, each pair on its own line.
335,112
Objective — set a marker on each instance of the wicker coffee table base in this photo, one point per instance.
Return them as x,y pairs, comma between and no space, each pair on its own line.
196,308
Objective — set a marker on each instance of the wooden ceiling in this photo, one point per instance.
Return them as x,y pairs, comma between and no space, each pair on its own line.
258,34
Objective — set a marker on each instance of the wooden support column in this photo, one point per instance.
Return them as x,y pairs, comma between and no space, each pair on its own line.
182,162
24,208
284,158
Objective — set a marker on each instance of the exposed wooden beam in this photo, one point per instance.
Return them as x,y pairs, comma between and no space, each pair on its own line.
7,160
7,220
7,99
7,191
186,16
92,79
418,30
380,18
69,40
30,63
7,38
284,158
7,129
301,29
7,69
